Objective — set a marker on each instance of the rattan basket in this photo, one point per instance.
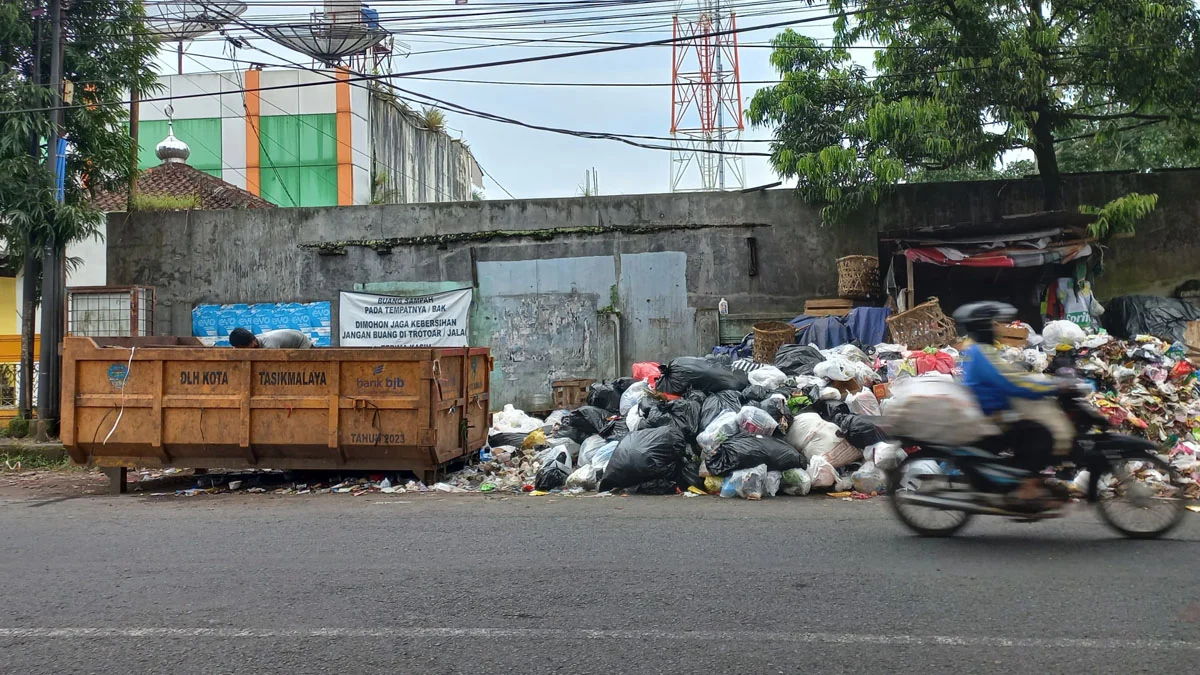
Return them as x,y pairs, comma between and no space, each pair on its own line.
858,276
769,336
923,326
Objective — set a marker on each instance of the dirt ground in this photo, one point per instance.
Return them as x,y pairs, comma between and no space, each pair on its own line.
74,481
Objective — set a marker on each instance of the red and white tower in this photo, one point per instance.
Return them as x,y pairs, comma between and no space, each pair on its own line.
706,99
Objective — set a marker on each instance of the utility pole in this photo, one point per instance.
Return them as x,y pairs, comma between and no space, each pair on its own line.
31,269
49,376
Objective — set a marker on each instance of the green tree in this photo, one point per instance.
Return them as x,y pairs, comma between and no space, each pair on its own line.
960,83
106,51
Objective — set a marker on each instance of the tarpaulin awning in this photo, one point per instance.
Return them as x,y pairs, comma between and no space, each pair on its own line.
945,256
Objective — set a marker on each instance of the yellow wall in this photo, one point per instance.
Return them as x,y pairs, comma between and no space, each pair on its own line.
8,306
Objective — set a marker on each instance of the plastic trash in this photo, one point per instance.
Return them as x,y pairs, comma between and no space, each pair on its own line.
859,430
585,477
814,436
602,456
756,421
835,370
724,426
647,372
511,420
798,359
583,422
864,403
646,455
887,456
604,395
869,479
910,479
745,483
715,404
1057,333
691,372
754,393
795,482
772,482
683,414
822,473
589,447
743,451
632,396
936,410
553,474
769,377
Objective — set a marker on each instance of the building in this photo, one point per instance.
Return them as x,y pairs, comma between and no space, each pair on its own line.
310,138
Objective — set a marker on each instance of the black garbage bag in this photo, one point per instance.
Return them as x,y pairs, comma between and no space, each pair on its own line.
693,372
860,430
755,393
622,383
798,359
690,476
605,396
722,359
778,409
829,410
583,422
718,403
743,451
511,439
659,486
697,396
553,475
646,455
1166,318
616,430
682,413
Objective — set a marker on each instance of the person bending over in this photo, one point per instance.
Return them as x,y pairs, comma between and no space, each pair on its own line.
284,338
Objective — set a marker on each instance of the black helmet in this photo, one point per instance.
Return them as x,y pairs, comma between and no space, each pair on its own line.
978,319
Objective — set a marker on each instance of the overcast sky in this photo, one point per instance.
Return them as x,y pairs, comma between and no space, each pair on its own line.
533,163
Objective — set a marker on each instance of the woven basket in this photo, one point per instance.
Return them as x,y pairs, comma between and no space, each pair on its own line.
858,276
769,336
923,326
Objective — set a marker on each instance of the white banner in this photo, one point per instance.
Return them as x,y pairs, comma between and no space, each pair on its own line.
434,320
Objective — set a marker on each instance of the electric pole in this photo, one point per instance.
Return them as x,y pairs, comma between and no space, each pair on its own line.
49,375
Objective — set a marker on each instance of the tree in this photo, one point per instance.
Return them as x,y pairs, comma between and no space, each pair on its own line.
960,83
107,50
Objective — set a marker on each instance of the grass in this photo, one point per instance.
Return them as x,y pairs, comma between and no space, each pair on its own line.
33,460
142,202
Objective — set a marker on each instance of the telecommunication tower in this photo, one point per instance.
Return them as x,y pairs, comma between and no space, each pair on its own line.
706,99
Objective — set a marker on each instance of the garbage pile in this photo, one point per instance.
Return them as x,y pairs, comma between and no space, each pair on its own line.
703,425
811,420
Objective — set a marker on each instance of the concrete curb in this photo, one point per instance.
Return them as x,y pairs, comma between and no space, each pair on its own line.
50,451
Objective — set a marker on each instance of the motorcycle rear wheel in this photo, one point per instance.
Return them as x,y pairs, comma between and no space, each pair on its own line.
1134,503
908,479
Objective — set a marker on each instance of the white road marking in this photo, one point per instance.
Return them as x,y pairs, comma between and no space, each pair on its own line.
599,634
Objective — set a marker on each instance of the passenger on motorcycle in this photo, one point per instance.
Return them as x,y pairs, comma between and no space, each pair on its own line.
1023,404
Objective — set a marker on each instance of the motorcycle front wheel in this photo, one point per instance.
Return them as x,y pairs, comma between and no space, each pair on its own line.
1139,497
920,490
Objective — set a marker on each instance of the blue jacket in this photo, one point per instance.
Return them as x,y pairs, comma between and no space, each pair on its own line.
994,381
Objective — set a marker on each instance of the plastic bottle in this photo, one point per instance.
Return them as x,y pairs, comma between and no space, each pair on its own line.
723,307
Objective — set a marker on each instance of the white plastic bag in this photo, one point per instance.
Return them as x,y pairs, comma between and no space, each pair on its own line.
768,376
936,410
830,394
513,421
584,477
724,426
864,403
795,482
600,458
888,456
835,369
633,419
868,479
559,452
632,396
771,483
821,472
813,436
1058,333
589,448
745,483
924,467
756,421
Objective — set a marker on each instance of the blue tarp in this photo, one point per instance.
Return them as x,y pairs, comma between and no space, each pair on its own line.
212,323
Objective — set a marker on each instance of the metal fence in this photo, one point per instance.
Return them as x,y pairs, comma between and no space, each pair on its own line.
110,311
10,376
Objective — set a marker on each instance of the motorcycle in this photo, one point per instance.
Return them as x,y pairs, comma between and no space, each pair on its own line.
937,490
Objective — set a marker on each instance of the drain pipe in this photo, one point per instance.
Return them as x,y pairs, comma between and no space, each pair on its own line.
616,319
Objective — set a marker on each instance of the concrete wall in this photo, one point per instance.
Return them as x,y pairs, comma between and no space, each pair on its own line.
418,165
548,272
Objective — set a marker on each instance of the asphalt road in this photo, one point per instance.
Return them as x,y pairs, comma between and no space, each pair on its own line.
412,584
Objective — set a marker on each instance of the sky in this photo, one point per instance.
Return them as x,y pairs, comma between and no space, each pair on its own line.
527,163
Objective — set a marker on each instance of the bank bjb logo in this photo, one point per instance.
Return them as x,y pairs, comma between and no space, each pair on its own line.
377,370
118,373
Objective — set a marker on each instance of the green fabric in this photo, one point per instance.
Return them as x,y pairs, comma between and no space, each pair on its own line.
203,136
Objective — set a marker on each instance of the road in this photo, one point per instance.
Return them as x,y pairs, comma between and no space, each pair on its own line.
467,584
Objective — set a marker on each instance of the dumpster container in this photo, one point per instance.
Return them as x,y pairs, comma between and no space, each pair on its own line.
138,402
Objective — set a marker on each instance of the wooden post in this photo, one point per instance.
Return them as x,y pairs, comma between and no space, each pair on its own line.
912,290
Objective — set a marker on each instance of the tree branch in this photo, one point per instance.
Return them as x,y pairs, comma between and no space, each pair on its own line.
1097,132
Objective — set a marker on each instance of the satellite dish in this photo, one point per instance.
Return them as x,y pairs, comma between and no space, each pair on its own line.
180,20
327,42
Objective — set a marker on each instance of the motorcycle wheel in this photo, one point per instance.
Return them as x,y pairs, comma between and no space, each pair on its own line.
911,478
1133,502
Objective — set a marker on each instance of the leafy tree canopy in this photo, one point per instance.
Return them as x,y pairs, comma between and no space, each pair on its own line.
960,83
107,50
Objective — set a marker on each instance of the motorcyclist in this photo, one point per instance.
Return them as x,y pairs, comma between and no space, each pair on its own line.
1023,404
